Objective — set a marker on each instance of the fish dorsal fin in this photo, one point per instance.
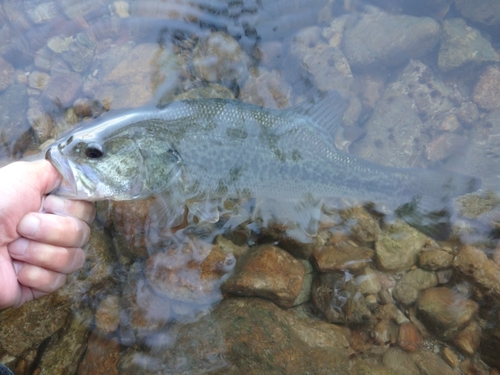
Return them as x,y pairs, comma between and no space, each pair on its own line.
326,110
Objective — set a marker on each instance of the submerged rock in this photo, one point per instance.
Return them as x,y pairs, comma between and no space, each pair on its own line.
486,12
486,92
445,312
380,40
461,45
269,272
398,247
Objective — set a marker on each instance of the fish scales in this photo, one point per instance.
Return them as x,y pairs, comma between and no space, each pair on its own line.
204,151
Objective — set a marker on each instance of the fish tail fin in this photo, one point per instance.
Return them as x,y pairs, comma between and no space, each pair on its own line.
431,210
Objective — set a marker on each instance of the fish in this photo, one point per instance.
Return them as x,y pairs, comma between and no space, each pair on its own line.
200,153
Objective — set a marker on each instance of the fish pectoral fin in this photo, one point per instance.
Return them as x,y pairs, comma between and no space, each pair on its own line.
206,209
307,214
167,210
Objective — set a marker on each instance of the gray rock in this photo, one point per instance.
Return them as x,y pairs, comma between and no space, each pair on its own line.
486,12
13,125
462,45
406,290
397,131
379,40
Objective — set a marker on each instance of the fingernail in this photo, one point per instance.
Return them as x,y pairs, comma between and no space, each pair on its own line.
19,246
54,204
28,225
17,266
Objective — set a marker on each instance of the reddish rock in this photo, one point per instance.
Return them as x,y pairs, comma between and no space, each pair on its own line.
486,93
101,357
269,272
409,337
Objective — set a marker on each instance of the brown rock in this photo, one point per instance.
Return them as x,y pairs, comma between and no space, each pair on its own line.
399,361
368,282
486,93
107,316
409,337
28,326
407,289
342,257
268,272
262,338
482,272
450,357
445,312
84,107
361,226
101,357
430,363
435,260
338,298
468,339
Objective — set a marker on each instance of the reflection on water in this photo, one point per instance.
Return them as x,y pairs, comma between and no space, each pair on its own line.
369,294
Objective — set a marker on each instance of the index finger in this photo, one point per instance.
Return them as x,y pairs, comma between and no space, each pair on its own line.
65,207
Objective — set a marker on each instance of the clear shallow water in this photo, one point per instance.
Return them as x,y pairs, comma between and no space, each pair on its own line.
151,291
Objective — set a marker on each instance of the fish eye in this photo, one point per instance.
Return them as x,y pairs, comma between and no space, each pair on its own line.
94,151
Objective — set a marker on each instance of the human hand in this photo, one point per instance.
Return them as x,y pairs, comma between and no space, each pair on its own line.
40,236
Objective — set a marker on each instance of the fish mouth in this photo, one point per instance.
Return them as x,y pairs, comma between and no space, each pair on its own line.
68,186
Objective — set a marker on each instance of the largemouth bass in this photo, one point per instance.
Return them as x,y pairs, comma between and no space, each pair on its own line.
202,152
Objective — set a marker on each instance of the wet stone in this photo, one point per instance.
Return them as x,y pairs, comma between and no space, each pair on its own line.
41,122
467,340
84,107
359,225
409,337
398,247
191,274
107,316
219,58
32,323
59,356
379,40
445,312
6,74
462,45
38,80
484,273
269,272
342,257
338,298
262,338
486,93
397,360
444,146
368,282
13,124
101,356
468,113
430,363
435,260
266,89
486,12
63,88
